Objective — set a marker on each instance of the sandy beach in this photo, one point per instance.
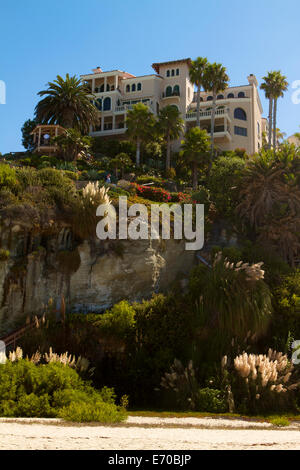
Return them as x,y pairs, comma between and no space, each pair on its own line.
140,433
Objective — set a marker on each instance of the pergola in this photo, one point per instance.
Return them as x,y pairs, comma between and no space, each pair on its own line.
42,135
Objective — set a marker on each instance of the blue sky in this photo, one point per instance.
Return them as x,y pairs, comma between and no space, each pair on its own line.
42,39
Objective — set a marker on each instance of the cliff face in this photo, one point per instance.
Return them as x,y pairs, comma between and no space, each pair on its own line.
91,276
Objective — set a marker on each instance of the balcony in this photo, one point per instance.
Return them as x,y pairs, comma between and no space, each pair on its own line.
127,107
192,116
174,94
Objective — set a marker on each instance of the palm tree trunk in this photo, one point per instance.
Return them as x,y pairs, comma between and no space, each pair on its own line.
195,176
270,121
138,152
212,130
168,160
198,106
275,124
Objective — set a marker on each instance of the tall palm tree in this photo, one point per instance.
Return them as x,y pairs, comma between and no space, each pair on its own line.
67,102
195,148
215,80
140,124
268,87
170,125
197,70
280,86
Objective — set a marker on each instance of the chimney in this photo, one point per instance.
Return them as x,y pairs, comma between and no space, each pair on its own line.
98,70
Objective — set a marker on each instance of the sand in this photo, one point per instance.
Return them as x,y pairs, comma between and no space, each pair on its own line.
141,433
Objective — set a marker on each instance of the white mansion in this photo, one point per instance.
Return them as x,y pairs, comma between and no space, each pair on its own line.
239,122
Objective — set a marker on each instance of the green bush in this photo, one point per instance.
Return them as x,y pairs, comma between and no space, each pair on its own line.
211,401
28,177
119,321
8,178
53,390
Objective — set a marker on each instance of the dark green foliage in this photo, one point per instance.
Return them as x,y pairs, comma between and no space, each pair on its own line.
224,181
211,401
27,138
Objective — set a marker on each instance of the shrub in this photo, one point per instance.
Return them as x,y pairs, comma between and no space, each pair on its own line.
119,321
8,178
262,383
28,177
211,401
53,390
154,194
181,197
72,175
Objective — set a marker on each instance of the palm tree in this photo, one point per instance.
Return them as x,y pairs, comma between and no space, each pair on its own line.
140,124
269,87
197,70
195,148
280,86
170,125
215,80
67,102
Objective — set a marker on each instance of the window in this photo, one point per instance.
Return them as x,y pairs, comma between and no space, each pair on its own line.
173,72
220,97
239,113
177,72
169,91
176,90
240,131
168,73
107,104
133,87
139,86
209,98
241,94
107,87
102,88
231,95
127,88
258,130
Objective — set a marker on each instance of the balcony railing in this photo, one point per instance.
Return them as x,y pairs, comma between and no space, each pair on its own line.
206,114
171,95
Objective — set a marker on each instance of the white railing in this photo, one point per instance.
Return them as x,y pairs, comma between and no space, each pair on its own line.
206,114
128,107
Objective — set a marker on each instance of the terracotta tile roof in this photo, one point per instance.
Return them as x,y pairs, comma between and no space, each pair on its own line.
155,66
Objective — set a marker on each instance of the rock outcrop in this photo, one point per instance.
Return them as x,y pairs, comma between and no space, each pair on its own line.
92,275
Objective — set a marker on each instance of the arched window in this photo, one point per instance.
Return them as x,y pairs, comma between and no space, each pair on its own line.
239,113
139,86
107,104
220,97
168,73
231,95
173,72
176,90
98,104
133,87
241,94
127,88
169,91
174,106
209,98
177,71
